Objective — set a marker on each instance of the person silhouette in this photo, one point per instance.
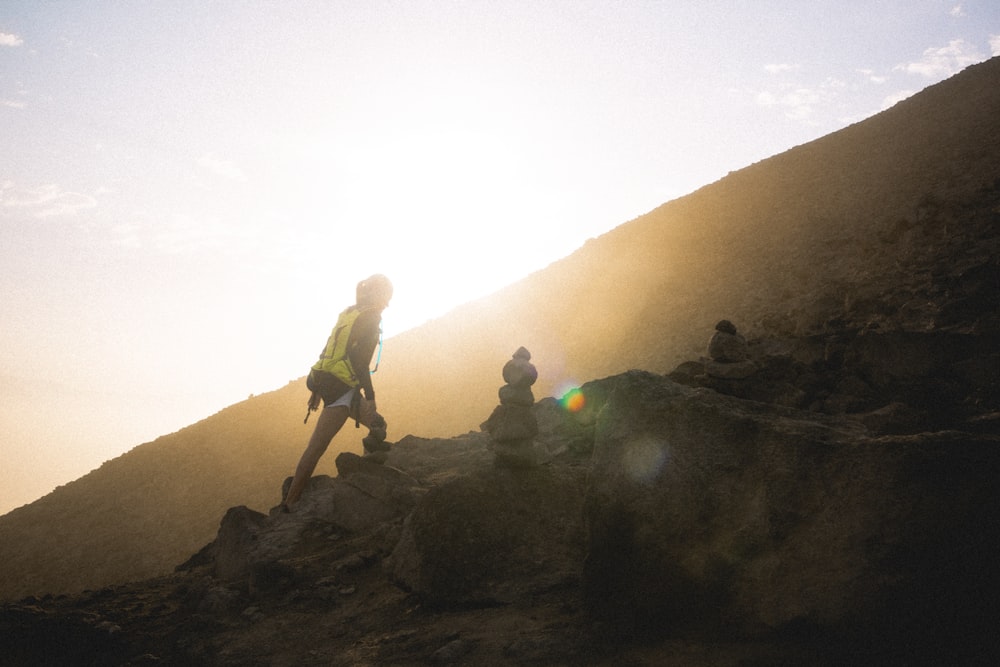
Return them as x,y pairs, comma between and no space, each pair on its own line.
342,380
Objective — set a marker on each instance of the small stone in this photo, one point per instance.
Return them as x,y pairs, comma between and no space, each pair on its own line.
727,347
520,373
511,422
451,651
512,395
373,443
726,326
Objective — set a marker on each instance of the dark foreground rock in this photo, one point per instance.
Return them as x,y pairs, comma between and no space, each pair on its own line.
713,514
665,524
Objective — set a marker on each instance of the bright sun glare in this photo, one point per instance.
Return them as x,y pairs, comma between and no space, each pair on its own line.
438,179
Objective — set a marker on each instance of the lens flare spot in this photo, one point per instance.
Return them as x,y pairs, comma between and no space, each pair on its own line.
644,459
573,400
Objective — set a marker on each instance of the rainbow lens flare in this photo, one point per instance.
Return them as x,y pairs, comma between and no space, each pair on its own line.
573,400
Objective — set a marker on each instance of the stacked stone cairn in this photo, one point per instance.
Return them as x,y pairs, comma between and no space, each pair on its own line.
513,426
728,354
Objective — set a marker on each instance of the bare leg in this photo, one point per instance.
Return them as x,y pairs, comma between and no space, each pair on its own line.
329,423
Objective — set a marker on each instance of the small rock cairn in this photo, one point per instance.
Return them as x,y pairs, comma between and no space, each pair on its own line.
728,354
513,426
727,345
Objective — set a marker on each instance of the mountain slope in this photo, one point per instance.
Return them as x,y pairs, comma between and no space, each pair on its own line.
784,245
880,224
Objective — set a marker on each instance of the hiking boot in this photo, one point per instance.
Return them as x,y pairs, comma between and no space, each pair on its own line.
378,427
373,443
375,440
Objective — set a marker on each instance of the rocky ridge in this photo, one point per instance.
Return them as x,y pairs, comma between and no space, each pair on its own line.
813,511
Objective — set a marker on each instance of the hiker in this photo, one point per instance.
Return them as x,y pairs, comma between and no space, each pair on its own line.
341,378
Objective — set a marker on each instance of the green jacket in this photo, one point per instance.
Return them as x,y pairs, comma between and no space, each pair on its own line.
336,356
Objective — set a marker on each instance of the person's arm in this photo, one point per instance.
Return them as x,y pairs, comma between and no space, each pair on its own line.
361,347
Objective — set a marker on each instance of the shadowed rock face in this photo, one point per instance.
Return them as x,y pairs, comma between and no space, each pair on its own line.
679,515
494,537
710,511
676,511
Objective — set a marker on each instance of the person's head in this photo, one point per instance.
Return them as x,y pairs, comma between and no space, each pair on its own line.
374,291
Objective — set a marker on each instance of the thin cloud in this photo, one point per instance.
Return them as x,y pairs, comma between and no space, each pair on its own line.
995,45
217,166
196,234
779,68
45,201
872,77
942,62
802,103
187,234
957,11
127,235
8,39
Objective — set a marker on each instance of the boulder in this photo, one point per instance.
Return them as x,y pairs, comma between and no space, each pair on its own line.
711,511
735,370
365,496
515,454
511,422
493,537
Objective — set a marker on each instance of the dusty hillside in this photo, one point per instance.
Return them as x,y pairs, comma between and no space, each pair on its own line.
135,513
784,245
861,227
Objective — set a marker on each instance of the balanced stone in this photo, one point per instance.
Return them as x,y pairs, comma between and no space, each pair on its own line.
513,425
519,371
727,346
514,395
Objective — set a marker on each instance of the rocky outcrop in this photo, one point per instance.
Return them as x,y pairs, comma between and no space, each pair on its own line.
668,512
711,512
895,381
679,511
494,537
365,497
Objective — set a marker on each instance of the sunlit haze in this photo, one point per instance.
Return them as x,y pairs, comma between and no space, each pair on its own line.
189,191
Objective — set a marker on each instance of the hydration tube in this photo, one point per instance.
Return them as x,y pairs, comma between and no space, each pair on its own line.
378,358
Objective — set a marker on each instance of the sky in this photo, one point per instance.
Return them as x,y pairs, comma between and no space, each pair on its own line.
190,189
